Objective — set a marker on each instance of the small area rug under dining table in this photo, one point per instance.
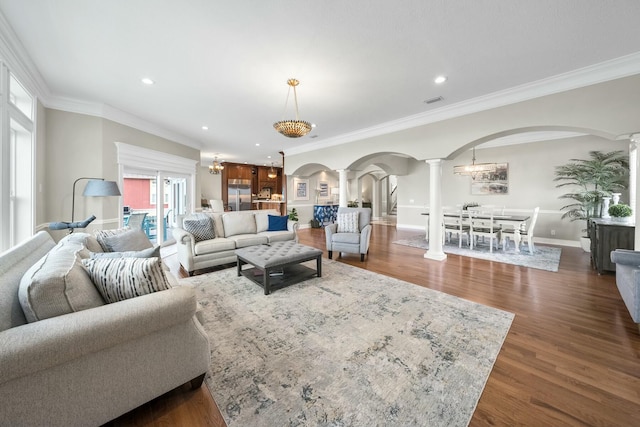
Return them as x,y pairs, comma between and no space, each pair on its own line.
351,348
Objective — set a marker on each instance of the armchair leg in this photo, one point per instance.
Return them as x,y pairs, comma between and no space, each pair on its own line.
361,257
330,254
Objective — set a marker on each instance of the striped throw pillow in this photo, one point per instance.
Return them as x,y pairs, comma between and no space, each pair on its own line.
118,279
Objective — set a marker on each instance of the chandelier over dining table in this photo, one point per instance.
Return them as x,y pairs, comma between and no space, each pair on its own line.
474,168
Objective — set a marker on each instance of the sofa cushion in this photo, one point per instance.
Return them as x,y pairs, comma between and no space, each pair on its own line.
216,245
353,238
145,253
278,223
118,279
130,240
348,222
279,236
262,221
102,234
57,284
201,228
244,240
237,223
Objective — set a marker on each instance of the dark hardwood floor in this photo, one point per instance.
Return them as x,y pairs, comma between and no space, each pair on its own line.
572,355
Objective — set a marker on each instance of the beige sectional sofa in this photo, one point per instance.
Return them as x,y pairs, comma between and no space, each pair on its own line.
231,231
80,366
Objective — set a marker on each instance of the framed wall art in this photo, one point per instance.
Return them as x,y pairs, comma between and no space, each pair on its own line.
300,189
491,182
323,190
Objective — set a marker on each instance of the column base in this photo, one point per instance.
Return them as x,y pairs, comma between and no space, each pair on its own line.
436,256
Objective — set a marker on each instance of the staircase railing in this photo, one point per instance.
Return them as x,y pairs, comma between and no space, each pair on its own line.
393,201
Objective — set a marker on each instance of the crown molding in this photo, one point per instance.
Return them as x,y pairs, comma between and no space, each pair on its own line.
108,112
14,54
605,71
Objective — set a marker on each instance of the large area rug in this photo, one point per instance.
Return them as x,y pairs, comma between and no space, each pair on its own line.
543,257
352,348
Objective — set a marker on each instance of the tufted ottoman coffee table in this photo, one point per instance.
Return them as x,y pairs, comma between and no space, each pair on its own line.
278,263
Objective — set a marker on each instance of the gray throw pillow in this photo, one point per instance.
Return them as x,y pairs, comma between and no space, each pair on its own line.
103,234
131,240
145,253
118,279
201,228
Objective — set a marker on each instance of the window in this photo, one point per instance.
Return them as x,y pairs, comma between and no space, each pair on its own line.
152,191
20,98
16,160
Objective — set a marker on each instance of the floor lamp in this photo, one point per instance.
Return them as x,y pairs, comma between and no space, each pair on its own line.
96,187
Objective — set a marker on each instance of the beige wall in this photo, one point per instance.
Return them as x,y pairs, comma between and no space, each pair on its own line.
78,145
531,184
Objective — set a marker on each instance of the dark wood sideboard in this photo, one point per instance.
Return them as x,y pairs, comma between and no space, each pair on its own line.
606,236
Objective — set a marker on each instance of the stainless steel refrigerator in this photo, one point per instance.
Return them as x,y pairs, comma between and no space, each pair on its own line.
239,194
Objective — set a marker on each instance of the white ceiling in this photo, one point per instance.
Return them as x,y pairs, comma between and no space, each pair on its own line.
361,63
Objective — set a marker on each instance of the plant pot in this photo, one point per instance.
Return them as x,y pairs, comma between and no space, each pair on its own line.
585,244
621,219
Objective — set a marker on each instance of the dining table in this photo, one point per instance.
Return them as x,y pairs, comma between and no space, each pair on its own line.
517,222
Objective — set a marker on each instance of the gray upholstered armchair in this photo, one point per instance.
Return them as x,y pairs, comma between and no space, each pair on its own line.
347,236
628,279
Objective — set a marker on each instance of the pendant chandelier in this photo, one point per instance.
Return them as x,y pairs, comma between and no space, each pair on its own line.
292,128
272,174
474,168
215,168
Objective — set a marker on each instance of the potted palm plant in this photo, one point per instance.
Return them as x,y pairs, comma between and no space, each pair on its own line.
591,179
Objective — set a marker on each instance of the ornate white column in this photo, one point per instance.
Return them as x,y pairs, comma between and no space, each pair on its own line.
342,177
634,183
435,211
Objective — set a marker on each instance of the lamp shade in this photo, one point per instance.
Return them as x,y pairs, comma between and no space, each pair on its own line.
100,188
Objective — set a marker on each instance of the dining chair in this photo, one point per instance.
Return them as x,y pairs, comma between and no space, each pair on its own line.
136,220
526,233
482,225
454,221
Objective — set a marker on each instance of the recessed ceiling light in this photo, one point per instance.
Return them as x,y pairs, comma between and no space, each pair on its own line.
147,81
440,79
205,127
268,157
313,125
257,145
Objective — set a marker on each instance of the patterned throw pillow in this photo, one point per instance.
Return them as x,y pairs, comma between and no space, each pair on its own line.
348,222
201,228
118,279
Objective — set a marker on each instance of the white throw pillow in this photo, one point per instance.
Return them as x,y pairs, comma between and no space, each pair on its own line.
118,279
57,284
348,222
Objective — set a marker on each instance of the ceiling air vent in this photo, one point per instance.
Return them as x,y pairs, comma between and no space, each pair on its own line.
434,100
